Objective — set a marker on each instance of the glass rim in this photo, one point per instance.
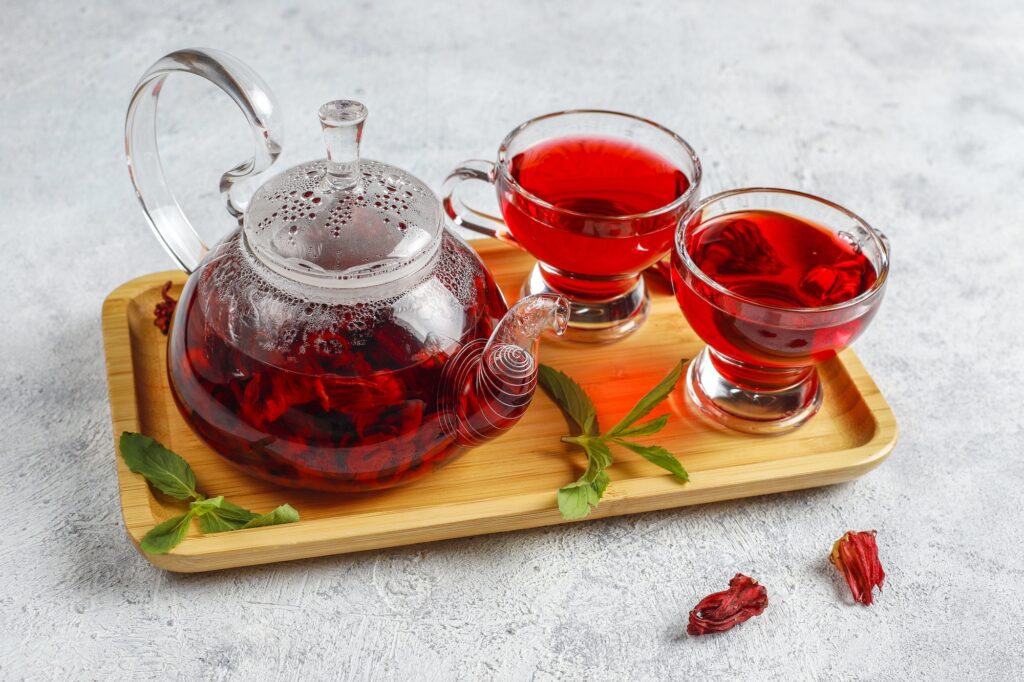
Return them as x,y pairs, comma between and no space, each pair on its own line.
681,200
881,278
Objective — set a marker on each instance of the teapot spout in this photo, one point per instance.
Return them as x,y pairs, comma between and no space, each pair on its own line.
490,384
521,329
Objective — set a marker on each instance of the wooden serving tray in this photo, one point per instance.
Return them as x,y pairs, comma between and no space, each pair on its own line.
507,484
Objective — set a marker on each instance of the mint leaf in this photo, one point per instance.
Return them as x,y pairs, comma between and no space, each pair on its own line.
600,484
571,397
576,500
167,535
166,471
283,514
598,454
202,507
225,517
220,515
655,454
649,401
647,428
573,500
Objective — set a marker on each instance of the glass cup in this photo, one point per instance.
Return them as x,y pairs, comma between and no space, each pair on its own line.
757,373
589,249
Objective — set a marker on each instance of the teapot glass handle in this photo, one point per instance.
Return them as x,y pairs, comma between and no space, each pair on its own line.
251,95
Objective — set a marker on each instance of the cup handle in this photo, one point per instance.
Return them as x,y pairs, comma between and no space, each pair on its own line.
460,212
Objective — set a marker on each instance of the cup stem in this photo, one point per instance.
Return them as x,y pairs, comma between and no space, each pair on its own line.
591,319
752,399
757,379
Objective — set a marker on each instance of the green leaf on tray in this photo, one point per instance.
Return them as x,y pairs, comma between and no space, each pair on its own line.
653,398
167,535
202,507
571,397
579,498
225,517
576,500
166,471
598,454
647,428
283,514
655,454
171,475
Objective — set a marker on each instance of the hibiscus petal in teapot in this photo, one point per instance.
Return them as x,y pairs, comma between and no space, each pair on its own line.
341,338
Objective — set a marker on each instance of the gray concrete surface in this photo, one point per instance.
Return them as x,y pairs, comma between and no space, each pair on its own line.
910,113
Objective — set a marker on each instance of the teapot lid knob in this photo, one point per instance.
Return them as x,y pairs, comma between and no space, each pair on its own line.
342,121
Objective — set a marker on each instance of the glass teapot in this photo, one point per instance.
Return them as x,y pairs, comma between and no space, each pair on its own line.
342,338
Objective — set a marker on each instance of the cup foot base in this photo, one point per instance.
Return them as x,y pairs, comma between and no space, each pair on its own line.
765,412
597,321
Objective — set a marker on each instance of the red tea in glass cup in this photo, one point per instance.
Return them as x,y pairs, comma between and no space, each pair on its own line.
595,196
774,282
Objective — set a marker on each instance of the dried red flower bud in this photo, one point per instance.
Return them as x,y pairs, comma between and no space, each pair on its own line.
163,310
856,556
721,611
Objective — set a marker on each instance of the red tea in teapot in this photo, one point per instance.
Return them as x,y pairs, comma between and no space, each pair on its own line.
329,412
612,181
779,260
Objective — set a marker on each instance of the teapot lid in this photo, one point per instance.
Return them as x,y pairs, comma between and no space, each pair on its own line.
343,221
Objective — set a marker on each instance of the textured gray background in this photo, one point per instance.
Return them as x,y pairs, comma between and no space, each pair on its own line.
910,113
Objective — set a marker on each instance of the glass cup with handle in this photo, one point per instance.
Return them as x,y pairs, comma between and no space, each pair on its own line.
775,282
593,195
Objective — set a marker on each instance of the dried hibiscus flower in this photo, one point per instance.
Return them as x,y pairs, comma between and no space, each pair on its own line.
856,556
721,611
164,309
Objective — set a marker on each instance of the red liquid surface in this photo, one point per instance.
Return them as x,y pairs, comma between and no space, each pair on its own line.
776,260
605,178
324,413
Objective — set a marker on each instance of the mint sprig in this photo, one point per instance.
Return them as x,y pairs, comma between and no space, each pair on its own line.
579,498
170,474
